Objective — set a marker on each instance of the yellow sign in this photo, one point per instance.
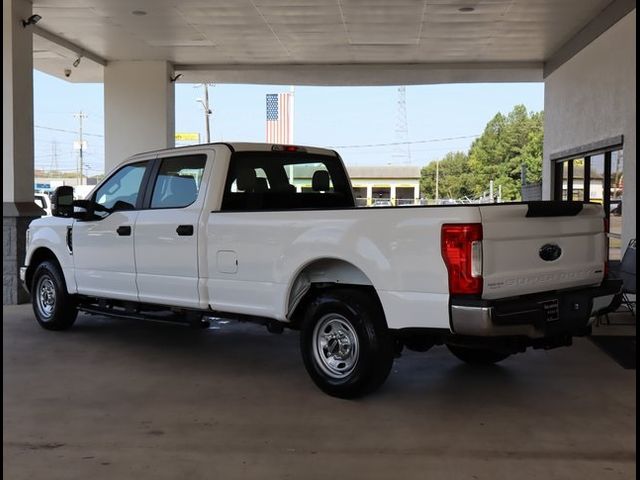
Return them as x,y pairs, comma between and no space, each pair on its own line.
187,137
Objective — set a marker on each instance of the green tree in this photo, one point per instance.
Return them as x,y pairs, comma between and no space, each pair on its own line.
507,143
454,181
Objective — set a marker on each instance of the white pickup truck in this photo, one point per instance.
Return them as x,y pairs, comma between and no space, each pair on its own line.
271,234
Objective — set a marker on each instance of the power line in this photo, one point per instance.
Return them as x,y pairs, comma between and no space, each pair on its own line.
68,131
431,140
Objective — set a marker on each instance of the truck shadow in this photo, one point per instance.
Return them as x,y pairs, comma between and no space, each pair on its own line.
248,350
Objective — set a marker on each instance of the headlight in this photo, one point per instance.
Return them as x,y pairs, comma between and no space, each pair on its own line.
28,237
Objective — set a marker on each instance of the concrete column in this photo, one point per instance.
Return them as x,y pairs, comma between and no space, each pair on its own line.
139,109
18,208
394,200
369,194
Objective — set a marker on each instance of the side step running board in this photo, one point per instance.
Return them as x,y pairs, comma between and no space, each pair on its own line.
193,319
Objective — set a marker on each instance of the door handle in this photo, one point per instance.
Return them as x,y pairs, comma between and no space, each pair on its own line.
184,230
124,230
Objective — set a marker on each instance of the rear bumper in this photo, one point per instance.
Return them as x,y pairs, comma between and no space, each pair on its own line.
533,316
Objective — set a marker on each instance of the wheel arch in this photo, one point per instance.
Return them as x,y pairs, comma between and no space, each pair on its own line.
324,273
39,255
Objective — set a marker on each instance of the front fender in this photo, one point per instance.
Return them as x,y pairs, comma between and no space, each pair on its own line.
50,235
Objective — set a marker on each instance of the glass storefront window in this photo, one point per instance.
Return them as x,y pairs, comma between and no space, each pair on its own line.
616,190
596,178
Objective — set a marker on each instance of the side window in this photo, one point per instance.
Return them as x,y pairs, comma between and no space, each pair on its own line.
123,186
178,181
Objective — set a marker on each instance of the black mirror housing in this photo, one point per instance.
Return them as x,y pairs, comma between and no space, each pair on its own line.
62,202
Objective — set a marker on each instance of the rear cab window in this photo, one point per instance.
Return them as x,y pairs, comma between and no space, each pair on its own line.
285,181
178,181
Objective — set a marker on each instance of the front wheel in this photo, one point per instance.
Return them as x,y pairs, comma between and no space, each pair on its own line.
54,308
477,356
345,343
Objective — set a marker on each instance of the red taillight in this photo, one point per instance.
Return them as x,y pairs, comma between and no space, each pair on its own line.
462,254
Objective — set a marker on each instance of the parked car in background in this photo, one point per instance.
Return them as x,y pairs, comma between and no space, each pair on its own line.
43,201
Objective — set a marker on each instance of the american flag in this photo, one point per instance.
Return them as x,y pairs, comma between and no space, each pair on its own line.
279,118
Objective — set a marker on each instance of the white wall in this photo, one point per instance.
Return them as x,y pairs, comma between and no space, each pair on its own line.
139,107
592,97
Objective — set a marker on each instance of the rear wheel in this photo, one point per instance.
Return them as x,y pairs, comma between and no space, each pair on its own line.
345,343
477,356
54,308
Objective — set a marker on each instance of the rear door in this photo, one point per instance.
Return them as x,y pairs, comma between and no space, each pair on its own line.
166,233
541,246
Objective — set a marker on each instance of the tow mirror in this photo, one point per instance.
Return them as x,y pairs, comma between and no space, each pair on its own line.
62,202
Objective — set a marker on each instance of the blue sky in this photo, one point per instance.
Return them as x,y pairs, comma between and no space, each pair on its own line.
324,116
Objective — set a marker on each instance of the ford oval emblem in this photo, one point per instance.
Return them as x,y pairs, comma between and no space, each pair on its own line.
550,252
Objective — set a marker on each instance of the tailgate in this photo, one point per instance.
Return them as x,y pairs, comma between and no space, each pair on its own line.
541,246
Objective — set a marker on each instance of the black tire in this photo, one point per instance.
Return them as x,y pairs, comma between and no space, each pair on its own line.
54,308
345,343
477,356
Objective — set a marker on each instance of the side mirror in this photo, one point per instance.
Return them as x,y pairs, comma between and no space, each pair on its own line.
62,202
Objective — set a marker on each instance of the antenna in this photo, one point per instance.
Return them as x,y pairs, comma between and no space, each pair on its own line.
402,152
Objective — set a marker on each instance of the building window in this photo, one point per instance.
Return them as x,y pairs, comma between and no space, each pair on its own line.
596,177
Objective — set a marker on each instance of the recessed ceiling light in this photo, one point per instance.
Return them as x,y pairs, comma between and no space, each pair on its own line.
466,9
139,13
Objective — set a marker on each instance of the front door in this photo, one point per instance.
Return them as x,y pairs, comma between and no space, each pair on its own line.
103,247
166,234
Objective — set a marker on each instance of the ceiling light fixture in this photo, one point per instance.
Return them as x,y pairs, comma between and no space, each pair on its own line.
139,13
76,62
32,20
466,9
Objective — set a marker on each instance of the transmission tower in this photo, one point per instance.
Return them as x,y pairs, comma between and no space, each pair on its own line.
402,153
53,168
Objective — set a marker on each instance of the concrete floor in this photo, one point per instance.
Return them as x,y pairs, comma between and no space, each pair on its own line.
123,399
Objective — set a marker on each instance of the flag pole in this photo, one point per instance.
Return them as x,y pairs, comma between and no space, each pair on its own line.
291,122
293,110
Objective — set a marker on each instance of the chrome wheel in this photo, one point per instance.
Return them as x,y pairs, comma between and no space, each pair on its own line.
45,296
335,345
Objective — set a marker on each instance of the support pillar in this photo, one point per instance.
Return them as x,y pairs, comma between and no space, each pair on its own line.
139,109
18,208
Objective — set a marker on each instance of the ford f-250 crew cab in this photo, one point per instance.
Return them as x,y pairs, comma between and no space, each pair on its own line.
222,230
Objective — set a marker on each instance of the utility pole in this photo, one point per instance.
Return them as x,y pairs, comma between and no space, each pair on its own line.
80,116
207,112
437,180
